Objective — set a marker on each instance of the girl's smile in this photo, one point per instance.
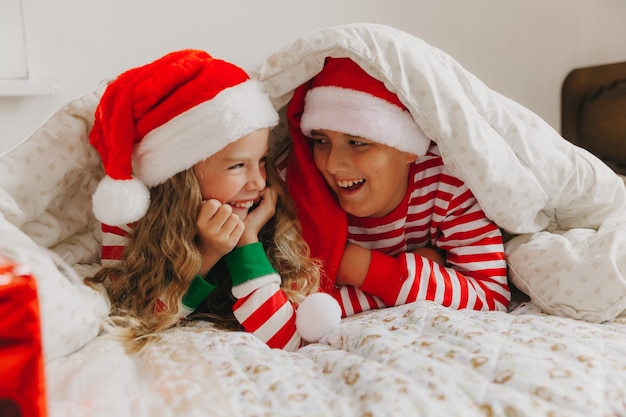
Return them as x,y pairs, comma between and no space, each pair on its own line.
243,207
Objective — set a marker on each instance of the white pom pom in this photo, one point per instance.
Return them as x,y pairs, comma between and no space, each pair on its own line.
119,202
317,315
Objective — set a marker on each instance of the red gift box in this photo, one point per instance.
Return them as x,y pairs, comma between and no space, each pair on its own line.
22,382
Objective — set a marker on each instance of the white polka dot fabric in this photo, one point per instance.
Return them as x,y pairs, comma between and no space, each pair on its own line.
567,208
46,184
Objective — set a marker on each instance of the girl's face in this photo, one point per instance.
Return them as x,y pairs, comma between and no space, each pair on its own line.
236,174
369,179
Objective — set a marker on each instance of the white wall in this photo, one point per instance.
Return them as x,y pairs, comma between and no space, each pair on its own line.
524,49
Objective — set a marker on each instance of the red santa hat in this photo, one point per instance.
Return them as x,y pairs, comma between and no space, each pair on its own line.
344,98
160,119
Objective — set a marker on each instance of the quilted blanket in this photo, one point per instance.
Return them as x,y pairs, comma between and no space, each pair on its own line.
415,360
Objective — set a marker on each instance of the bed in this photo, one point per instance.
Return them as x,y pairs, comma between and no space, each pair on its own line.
560,350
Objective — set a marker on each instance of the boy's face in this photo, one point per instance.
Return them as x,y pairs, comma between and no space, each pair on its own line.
369,179
236,174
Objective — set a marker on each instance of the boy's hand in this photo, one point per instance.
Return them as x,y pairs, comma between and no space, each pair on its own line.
435,255
219,230
258,217
356,259
354,265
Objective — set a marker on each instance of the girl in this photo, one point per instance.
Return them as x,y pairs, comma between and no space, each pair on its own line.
186,215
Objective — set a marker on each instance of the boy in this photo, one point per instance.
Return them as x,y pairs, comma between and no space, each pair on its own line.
398,227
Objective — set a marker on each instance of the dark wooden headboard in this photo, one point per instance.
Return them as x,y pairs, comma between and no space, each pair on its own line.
593,112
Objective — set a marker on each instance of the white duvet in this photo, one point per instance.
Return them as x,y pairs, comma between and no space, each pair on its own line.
564,208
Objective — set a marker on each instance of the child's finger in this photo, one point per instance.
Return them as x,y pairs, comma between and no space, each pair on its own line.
270,195
208,210
219,228
230,223
237,230
214,214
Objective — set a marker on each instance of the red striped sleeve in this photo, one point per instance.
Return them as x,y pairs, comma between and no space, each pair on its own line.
259,314
281,339
112,252
114,242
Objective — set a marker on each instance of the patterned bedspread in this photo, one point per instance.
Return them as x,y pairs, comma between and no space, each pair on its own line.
413,360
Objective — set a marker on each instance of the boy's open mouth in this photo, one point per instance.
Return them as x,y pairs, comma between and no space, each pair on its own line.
350,185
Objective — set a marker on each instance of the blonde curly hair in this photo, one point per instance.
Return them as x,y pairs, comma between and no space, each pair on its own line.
162,259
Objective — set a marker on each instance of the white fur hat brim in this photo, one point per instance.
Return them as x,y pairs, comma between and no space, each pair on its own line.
363,115
202,131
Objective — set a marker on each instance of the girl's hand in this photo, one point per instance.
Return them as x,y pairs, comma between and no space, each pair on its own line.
258,217
219,230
